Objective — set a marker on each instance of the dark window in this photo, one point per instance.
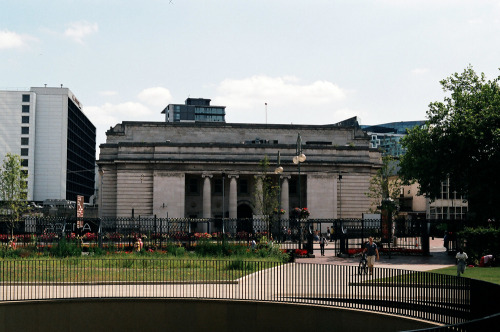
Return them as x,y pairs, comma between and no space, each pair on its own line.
25,141
26,108
24,162
243,186
26,98
25,130
24,152
292,186
26,119
218,186
193,186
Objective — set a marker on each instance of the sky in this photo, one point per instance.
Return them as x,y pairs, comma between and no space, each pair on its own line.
311,61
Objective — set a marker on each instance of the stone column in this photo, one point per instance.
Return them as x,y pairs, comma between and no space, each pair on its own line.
285,199
207,200
233,197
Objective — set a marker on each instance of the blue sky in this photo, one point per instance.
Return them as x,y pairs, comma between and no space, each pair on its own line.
312,62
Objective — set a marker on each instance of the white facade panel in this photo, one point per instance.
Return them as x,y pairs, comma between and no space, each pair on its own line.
51,138
11,134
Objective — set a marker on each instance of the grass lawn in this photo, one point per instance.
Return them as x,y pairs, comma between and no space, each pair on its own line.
133,269
489,274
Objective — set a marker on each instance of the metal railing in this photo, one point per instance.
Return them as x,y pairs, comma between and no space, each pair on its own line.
408,236
432,297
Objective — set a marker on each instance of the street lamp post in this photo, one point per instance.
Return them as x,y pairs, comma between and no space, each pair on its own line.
223,203
99,234
299,158
279,170
340,200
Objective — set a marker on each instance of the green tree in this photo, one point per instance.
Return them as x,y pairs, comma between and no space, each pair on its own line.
12,190
461,141
384,184
266,197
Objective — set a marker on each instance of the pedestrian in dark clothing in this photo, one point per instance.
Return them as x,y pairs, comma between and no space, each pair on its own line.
322,244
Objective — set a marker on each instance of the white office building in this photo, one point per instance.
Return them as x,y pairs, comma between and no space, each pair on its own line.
56,141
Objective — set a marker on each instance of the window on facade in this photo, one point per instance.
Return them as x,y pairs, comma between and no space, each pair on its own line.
24,151
445,187
25,141
26,119
25,130
218,186
243,186
26,98
26,108
292,186
24,162
193,186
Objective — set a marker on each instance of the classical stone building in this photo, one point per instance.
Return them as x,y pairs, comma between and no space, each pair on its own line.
210,170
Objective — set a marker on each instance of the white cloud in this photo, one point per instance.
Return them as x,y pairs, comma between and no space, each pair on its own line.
157,97
278,90
79,30
288,100
9,40
111,114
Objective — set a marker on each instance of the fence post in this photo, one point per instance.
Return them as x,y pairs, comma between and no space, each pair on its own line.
161,233
99,233
156,231
424,231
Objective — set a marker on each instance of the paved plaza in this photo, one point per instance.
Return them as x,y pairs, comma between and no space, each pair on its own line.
438,258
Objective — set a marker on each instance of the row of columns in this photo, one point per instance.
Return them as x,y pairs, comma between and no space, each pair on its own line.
233,195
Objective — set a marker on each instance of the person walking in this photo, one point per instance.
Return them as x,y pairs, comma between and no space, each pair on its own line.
461,261
371,250
322,244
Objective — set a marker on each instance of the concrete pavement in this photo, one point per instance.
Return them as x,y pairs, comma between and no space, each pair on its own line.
438,258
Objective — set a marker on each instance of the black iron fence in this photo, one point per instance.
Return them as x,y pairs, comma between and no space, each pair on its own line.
405,236
432,297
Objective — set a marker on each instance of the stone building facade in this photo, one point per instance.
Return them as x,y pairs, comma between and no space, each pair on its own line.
211,170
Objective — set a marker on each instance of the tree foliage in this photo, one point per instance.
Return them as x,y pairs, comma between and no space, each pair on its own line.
266,197
384,184
460,141
12,189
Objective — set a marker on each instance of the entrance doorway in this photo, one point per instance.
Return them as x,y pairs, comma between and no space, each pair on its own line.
245,218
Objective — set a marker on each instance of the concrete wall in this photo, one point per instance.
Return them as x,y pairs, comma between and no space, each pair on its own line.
190,315
10,129
168,196
233,132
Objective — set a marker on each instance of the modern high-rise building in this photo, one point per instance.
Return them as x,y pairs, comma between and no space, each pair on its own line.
195,110
387,136
56,141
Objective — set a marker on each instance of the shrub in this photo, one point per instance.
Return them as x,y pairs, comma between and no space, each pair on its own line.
480,241
175,250
66,249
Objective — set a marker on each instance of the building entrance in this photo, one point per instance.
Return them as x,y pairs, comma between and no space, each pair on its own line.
244,211
245,218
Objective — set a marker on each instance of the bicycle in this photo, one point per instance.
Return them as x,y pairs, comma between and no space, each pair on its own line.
363,265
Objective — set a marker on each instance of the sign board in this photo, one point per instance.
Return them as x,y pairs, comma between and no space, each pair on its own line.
80,204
